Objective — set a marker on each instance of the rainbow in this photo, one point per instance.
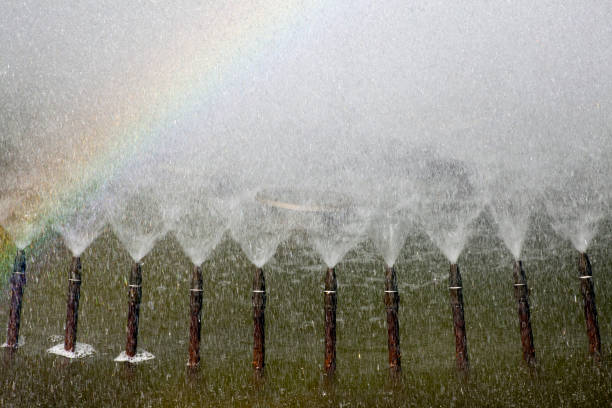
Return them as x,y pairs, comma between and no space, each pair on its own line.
163,85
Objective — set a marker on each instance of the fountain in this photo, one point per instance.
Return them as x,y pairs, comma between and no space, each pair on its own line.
451,203
80,226
261,156
584,204
259,245
333,224
137,221
198,227
511,209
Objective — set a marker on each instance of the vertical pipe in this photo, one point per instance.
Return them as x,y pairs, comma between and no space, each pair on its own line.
331,301
588,300
392,306
521,293
134,294
72,308
18,281
195,306
456,297
259,306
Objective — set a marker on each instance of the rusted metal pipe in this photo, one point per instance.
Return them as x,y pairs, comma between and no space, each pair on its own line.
72,308
195,306
590,309
259,307
134,295
392,299
456,298
331,301
521,293
18,281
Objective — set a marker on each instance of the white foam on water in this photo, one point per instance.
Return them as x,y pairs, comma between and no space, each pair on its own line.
141,355
81,350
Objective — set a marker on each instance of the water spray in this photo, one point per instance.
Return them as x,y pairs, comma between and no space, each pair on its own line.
456,297
590,310
521,293
392,307
18,281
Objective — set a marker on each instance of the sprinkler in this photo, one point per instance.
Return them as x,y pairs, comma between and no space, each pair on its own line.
392,306
195,306
259,307
134,294
590,309
521,293
331,301
456,297
18,281
72,309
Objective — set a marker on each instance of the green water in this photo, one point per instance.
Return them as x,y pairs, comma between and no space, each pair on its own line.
294,329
